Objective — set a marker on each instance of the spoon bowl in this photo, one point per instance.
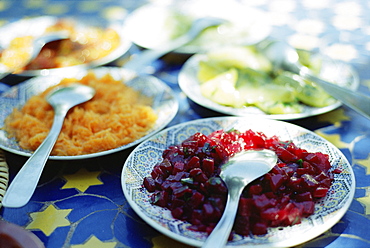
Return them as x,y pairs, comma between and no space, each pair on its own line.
285,57
237,173
62,99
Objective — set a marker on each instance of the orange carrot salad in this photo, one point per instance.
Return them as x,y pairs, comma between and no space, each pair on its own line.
116,116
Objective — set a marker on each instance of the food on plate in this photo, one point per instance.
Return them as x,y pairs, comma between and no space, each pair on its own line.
241,24
171,24
85,44
187,182
117,115
240,76
18,51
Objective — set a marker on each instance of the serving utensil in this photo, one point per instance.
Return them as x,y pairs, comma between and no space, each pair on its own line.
237,173
137,63
62,99
285,57
37,45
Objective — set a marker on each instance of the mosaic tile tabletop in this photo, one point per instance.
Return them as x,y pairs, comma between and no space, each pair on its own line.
81,204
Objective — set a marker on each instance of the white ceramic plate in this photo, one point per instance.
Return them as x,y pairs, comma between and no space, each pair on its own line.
36,26
328,211
338,72
164,104
153,25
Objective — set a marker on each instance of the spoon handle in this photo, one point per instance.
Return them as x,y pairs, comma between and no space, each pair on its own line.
146,57
355,100
24,183
221,233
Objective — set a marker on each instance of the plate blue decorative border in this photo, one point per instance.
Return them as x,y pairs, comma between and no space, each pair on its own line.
328,211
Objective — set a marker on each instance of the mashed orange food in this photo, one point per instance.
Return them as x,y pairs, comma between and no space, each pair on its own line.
116,116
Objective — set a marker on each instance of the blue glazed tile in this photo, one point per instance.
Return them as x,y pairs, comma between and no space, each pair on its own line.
97,223
20,216
85,205
56,239
131,231
111,188
52,191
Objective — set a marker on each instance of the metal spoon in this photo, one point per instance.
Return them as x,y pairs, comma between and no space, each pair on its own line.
148,56
24,184
37,45
285,57
240,170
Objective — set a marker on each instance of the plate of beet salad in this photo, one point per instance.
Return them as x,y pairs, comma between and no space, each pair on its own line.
172,182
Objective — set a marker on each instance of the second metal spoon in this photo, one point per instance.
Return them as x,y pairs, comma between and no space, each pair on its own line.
37,45
146,57
285,57
23,185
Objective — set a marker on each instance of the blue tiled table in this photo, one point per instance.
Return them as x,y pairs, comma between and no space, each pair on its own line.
81,204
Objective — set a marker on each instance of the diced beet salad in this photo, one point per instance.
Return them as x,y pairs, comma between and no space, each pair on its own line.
187,182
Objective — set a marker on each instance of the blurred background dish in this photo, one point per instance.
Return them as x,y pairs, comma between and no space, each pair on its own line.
239,81
163,103
91,43
155,24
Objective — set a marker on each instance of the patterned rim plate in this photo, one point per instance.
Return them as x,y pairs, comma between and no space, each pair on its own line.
328,211
338,72
164,103
36,26
245,25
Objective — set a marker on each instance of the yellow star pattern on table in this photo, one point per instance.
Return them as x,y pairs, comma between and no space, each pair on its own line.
82,180
334,139
334,117
95,242
365,201
365,163
49,219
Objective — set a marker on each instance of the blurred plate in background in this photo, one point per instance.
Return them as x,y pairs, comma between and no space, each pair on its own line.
333,71
153,25
95,41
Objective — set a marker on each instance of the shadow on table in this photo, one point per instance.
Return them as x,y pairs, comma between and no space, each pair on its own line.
112,163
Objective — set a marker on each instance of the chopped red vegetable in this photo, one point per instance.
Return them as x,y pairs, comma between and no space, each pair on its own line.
187,182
